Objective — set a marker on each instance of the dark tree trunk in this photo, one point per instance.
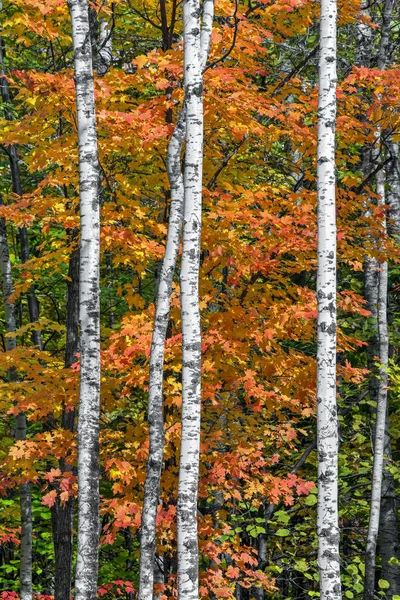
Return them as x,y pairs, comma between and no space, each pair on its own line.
62,514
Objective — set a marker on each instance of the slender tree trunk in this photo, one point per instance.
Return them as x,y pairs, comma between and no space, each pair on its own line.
191,334
155,406
327,423
389,541
89,310
104,47
33,306
62,514
393,195
164,288
20,422
389,538
383,353
381,409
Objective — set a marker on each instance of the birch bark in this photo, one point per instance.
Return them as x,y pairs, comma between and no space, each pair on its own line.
89,309
393,195
383,353
381,409
190,311
164,288
389,525
155,406
104,47
327,424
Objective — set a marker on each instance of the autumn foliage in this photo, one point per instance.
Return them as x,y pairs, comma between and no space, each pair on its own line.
258,270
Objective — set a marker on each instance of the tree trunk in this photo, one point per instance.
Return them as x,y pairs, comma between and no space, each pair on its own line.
89,309
393,194
155,402
188,585
327,423
379,440
104,47
383,353
389,541
164,288
62,514
20,422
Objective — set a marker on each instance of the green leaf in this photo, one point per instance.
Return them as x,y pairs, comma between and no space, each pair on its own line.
282,516
311,500
283,532
349,594
352,569
383,584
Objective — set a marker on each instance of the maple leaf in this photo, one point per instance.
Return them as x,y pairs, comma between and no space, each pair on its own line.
50,498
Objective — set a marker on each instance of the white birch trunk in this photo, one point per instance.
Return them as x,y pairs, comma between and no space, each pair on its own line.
188,585
89,309
155,403
164,288
379,440
104,47
327,424
393,195
383,349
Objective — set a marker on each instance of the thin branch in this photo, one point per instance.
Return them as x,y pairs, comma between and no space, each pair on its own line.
295,70
224,163
370,176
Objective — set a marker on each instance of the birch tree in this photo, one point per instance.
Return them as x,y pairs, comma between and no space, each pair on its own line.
155,402
190,310
383,354
379,441
89,309
327,421
388,523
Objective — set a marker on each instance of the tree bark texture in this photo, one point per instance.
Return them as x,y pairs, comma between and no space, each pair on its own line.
62,514
327,422
393,193
104,44
381,409
155,402
389,541
164,288
383,354
188,586
89,309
